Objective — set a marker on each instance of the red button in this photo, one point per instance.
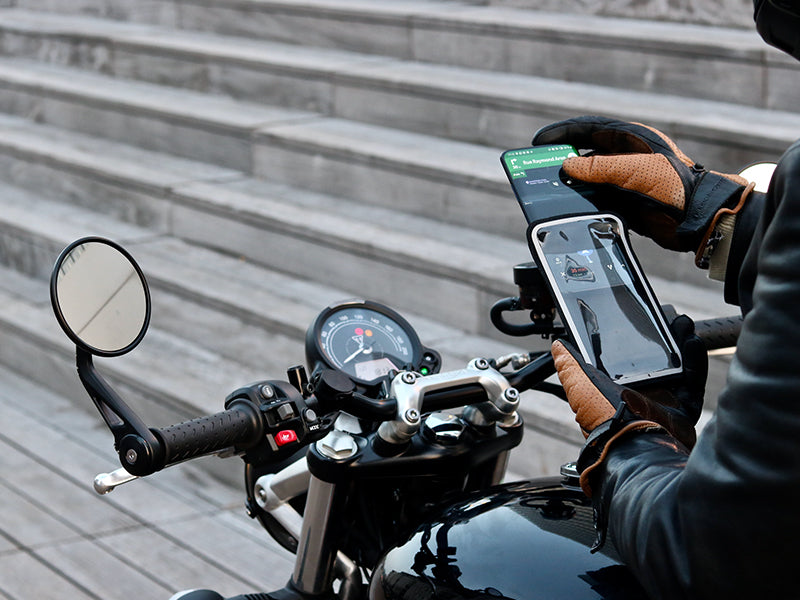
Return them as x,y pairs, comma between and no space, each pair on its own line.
287,436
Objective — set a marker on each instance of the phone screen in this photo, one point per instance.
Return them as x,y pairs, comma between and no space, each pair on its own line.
540,186
610,312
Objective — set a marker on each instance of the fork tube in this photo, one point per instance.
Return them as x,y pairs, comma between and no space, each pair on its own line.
315,552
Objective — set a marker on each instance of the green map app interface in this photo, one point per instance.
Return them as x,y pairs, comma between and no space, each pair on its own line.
542,191
519,162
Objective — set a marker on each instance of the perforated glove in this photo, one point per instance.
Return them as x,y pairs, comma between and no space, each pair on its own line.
663,194
606,412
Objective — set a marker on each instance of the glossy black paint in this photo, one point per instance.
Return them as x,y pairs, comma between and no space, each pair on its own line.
523,541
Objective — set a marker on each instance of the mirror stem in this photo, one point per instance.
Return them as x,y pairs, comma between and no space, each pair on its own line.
139,450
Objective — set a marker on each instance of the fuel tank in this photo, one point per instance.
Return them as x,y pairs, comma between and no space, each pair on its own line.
522,541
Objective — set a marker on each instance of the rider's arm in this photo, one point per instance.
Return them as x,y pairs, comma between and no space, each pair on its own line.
724,521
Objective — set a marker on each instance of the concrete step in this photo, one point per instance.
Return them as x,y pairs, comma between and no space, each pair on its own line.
453,181
634,54
476,105
245,312
365,250
729,13
246,295
182,122
337,156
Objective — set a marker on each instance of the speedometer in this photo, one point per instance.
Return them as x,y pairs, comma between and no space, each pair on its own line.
367,341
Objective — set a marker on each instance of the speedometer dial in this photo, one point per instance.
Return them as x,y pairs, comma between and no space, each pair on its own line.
367,341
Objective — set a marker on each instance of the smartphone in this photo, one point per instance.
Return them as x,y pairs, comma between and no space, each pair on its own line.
542,189
604,300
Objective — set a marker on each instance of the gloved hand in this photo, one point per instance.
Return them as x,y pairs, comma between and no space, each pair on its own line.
606,411
664,194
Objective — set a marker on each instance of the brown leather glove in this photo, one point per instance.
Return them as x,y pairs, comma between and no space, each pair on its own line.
662,193
606,411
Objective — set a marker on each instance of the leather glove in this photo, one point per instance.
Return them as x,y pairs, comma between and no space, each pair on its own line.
606,412
664,195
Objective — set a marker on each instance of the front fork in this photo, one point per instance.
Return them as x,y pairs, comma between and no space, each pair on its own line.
317,560
316,551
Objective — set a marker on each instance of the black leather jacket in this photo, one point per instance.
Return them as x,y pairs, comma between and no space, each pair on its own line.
724,521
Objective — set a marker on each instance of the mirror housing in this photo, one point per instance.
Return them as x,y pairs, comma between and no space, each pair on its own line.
100,297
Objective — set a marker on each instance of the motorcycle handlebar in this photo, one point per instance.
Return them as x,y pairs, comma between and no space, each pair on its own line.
242,426
239,426
722,332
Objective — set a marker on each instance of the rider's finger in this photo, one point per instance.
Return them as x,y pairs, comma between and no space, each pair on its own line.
606,135
590,405
651,175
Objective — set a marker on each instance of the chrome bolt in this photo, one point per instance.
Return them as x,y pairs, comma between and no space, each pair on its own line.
482,364
131,456
412,415
337,445
511,394
408,377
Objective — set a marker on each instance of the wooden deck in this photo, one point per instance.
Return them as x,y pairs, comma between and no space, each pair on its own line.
179,529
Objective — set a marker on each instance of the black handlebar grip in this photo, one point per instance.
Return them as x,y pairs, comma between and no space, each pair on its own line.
719,333
240,426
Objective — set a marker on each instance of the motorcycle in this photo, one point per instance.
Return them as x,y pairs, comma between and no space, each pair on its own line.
378,470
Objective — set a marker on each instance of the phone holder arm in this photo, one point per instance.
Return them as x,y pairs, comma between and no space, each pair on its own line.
534,296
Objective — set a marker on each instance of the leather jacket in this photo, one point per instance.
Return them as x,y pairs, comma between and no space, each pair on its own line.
723,521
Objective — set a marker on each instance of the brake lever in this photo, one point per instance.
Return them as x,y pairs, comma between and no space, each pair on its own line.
106,482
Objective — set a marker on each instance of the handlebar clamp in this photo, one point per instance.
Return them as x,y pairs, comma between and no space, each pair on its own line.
409,390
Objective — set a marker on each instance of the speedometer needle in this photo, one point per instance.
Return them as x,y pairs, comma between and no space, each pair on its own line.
353,355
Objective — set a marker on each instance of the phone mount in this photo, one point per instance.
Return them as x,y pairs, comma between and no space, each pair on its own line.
534,296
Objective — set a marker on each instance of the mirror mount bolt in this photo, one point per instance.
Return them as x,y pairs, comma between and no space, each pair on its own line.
138,457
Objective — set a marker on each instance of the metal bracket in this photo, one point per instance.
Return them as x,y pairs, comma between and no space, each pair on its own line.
409,389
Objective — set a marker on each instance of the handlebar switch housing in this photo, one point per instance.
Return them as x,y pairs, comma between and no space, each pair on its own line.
289,423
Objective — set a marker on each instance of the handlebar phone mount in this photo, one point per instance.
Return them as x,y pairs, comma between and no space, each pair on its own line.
534,296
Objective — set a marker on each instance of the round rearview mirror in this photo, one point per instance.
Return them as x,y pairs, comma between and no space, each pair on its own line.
760,174
100,296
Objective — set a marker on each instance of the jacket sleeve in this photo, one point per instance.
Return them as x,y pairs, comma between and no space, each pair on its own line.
725,520
739,273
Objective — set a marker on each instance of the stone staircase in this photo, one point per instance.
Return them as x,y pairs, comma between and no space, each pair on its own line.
264,158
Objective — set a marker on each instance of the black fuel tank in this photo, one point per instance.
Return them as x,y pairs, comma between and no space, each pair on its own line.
522,541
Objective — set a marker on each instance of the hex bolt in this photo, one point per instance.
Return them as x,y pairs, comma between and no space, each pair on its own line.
412,415
511,394
408,377
482,364
131,456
